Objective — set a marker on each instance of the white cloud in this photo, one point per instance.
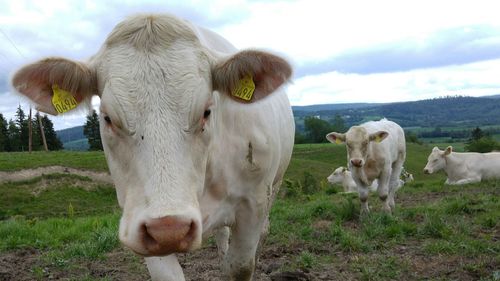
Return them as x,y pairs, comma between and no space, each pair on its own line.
476,79
310,33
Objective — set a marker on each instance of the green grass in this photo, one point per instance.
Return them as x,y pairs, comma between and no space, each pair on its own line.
56,196
13,161
72,220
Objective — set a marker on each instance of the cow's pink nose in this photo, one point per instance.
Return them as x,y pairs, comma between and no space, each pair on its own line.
357,162
426,171
168,235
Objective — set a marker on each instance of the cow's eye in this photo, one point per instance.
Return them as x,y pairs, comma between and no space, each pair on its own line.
206,113
107,119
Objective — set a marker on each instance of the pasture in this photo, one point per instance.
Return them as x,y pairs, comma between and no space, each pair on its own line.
64,226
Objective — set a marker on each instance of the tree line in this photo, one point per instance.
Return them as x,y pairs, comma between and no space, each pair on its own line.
14,134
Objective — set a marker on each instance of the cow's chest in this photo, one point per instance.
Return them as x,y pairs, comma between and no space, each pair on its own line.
371,169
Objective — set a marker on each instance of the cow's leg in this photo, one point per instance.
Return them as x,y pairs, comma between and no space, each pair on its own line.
239,262
383,188
394,183
363,197
165,268
222,240
468,180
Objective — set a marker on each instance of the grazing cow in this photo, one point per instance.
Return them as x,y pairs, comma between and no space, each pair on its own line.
197,136
463,168
343,176
375,150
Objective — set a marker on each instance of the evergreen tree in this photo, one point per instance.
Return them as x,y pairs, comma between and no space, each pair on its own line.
22,125
53,142
14,136
37,143
91,131
4,134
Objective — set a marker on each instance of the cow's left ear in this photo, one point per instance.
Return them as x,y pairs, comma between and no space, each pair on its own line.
250,75
378,136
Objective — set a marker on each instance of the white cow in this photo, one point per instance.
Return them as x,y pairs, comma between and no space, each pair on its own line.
375,150
343,176
463,168
197,136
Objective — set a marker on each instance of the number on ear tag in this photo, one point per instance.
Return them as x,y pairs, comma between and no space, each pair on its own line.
245,88
62,100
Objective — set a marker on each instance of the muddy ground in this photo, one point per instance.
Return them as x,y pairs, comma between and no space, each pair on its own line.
203,265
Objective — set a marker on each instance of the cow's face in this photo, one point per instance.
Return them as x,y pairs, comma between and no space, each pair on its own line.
357,140
159,113
338,175
437,160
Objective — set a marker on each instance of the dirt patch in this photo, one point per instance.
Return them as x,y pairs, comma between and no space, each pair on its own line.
28,174
203,265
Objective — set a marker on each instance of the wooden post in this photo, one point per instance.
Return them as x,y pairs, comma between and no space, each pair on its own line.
42,131
30,133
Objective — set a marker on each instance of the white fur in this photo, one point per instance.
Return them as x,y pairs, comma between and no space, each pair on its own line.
343,176
154,75
463,168
382,158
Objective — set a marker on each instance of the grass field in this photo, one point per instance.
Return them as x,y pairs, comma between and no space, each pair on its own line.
65,227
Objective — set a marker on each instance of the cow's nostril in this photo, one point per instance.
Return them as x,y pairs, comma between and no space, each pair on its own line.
168,235
357,162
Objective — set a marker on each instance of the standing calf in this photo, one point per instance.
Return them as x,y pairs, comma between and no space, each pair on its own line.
463,168
375,150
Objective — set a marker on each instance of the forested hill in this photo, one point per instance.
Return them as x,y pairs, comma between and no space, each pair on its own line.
71,134
448,111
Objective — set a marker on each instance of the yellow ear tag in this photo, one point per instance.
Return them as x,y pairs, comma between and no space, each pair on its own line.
245,88
338,141
378,139
62,100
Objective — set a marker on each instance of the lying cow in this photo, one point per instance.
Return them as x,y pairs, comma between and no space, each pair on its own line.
197,136
343,176
463,168
375,150
406,177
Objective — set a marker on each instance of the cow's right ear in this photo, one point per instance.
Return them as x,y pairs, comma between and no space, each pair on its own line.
448,151
56,85
334,137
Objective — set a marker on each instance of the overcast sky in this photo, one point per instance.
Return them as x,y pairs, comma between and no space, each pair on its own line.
342,51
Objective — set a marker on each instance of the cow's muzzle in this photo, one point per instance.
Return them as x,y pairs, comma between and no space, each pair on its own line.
357,163
167,235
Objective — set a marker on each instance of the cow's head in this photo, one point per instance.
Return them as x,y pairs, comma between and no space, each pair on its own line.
338,175
357,140
158,116
437,160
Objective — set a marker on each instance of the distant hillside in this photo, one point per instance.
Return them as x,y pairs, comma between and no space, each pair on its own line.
79,145
449,111
71,134
73,138
325,107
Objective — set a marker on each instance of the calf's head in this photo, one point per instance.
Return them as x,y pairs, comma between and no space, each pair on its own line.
357,140
158,116
338,175
437,160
